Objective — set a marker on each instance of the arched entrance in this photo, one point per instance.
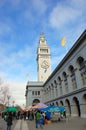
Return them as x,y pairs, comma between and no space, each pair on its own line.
61,103
84,105
67,106
35,101
57,103
76,107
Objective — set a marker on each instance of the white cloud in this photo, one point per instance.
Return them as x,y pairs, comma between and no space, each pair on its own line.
5,28
15,57
55,60
17,64
14,3
2,2
27,16
81,4
18,59
32,11
17,90
39,6
65,13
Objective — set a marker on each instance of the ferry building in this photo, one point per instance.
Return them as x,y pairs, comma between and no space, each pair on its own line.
66,85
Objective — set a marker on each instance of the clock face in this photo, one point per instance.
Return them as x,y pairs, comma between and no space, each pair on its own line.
45,64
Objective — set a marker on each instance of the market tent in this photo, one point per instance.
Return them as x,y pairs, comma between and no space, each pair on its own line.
10,109
56,109
53,109
28,108
39,105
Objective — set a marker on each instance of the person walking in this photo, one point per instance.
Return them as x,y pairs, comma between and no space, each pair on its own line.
38,119
9,121
42,118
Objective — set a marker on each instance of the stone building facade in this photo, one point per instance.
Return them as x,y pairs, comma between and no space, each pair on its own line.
66,86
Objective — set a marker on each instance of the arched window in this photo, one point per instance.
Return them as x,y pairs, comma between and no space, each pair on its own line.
65,82
61,103
82,68
56,89
52,87
57,103
73,77
60,85
35,101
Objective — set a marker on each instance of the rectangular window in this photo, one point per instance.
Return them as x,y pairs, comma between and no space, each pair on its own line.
32,92
38,92
44,50
35,92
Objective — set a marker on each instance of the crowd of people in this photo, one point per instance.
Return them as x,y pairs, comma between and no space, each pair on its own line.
39,117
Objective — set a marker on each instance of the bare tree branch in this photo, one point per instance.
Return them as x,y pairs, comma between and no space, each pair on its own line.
4,93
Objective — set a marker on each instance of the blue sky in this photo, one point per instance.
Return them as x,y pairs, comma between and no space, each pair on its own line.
21,23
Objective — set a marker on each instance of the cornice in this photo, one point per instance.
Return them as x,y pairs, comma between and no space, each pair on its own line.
69,94
71,51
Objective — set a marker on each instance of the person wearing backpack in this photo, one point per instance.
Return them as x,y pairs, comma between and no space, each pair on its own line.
5,116
38,119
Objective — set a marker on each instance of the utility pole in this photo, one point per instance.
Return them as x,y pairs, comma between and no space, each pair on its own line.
8,96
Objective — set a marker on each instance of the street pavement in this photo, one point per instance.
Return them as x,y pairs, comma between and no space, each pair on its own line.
3,124
21,125
68,124
65,124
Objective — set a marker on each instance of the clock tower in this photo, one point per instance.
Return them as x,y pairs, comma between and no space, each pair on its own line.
43,59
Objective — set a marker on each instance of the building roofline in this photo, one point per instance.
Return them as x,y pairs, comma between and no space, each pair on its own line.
73,48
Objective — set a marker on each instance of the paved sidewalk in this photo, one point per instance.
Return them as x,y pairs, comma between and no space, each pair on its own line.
71,124
3,124
21,125
24,125
18,125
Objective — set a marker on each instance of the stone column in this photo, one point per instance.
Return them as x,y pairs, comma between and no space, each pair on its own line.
58,90
44,95
69,83
73,111
83,109
54,91
78,78
51,93
47,94
29,97
62,83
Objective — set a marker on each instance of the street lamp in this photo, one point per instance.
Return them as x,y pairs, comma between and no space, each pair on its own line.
8,96
13,103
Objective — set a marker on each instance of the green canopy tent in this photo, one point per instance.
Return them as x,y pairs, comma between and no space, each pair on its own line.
10,109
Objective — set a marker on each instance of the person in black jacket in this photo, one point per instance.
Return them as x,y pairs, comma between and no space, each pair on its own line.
9,121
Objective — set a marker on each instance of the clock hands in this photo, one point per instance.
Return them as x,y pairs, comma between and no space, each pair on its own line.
45,64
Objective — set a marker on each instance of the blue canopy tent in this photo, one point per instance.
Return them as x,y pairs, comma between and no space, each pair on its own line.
53,108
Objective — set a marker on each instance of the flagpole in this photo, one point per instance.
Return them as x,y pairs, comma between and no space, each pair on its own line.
66,47
27,75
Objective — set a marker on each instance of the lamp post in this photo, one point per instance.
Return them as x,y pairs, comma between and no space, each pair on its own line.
13,103
8,96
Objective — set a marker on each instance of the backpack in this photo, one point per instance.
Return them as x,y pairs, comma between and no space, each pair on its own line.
5,118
